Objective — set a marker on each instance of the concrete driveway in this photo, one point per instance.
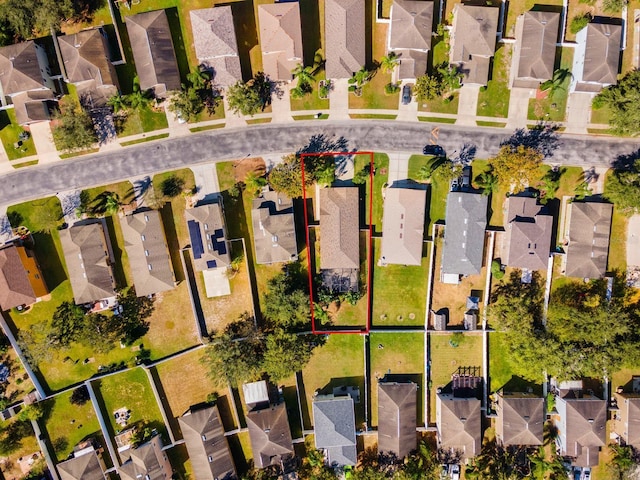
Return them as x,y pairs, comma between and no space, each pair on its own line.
578,112
468,106
633,241
519,107
43,140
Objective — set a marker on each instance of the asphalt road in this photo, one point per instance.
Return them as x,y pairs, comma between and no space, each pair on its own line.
224,144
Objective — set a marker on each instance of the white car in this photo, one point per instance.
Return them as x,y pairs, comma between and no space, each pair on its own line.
586,473
454,472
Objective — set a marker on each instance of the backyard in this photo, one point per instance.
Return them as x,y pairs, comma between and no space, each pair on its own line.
10,136
518,7
26,451
501,374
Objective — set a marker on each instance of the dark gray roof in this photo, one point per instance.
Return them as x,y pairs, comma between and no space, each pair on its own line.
19,68
85,56
345,37
84,467
520,419
464,233
397,418
601,54
589,231
274,230
207,446
153,53
339,228
536,40
413,63
584,420
147,462
403,226
335,428
34,105
411,24
459,422
270,435
208,234
15,287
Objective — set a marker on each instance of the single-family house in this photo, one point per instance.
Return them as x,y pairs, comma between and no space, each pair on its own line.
153,52
84,465
345,37
147,462
466,220
214,38
21,281
410,36
596,59
473,41
146,246
581,426
270,435
274,229
89,258
626,423
397,417
280,38
520,419
339,238
86,64
207,446
334,426
403,226
535,50
528,231
588,243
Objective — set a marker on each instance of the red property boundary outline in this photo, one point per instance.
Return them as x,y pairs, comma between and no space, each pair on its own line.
368,294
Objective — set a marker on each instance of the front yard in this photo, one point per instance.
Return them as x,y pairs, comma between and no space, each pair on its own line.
493,101
144,120
10,136
551,105
436,193
380,181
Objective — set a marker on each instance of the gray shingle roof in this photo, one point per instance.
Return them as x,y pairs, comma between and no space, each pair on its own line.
345,37
459,422
15,288
280,38
628,426
84,467
339,228
335,428
397,418
589,231
584,422
85,57
274,230
520,419
146,246
208,234
147,462
413,63
602,53
403,226
19,68
270,435
33,105
411,24
537,35
464,233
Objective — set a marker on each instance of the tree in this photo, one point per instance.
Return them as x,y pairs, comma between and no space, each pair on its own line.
30,413
286,353
286,177
73,129
450,77
579,22
186,104
624,462
80,395
132,319
138,99
172,186
67,324
549,184
254,183
389,62
427,87
304,75
251,97
622,187
36,17
106,203
359,80
614,6
487,182
286,302
623,101
516,168
118,103
555,83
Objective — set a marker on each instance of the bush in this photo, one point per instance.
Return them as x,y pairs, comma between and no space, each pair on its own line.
579,22
391,88
613,6
80,395
496,270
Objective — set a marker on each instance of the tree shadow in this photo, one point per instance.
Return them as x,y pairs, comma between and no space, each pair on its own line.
626,162
543,138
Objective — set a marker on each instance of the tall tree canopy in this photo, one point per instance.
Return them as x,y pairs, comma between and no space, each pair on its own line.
286,303
622,187
36,17
517,167
623,101
73,129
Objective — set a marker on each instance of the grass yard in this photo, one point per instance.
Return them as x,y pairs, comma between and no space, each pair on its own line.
518,7
68,424
401,354
27,446
498,197
144,140
9,135
579,8
399,291
501,370
380,179
311,101
445,360
205,116
345,356
553,107
172,213
627,53
493,101
374,96
436,194
440,51
601,116
618,242
179,459
141,121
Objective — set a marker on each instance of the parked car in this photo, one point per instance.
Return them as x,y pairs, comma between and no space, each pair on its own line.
435,150
455,184
454,472
586,473
406,94
466,176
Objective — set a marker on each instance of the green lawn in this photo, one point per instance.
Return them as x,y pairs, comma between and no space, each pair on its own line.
501,370
440,56
141,121
401,354
374,96
553,107
380,179
601,115
143,140
518,7
437,193
311,101
399,292
445,361
493,101
180,461
498,197
618,242
9,135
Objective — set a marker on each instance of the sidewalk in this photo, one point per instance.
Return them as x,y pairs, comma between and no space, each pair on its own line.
280,103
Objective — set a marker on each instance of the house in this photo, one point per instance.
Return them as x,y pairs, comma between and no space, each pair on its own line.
528,231
206,444
345,37
146,246
209,246
596,59
214,38
85,60
153,53
84,465
334,426
473,41
520,419
89,258
403,226
626,424
397,418
466,220
588,243
581,426
21,281
147,462
535,49
410,36
339,238
274,229
280,38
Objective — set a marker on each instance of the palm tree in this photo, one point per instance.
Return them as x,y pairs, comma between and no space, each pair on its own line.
199,78
559,77
138,99
359,79
488,182
107,203
389,62
254,183
303,74
118,103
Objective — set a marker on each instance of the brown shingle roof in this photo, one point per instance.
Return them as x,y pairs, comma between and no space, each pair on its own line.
270,435
459,422
19,68
537,35
520,419
411,24
413,63
15,288
208,234
280,38
85,57
584,421
403,226
274,230
602,53
84,467
397,418
628,425
147,462
344,25
34,106
589,230
339,228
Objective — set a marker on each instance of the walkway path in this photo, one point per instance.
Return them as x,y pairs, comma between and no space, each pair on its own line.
43,140
176,129
231,119
280,104
468,105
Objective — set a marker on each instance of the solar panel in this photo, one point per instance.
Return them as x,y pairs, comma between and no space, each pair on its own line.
196,239
219,246
211,264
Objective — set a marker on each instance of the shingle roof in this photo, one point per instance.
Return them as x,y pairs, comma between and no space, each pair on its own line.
602,53
403,226
147,461
537,36
473,41
19,68
585,429
146,246
208,235
84,467
345,38
15,288
459,422
411,24
589,230
207,446
85,57
628,425
520,419
33,106
528,234
87,258
397,418
153,53
280,38
335,428
274,230
466,221
413,63
270,435
339,228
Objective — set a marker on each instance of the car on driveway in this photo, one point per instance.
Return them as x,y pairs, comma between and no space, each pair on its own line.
406,94
466,176
454,472
435,150
586,473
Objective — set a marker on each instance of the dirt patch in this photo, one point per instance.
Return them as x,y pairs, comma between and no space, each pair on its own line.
248,165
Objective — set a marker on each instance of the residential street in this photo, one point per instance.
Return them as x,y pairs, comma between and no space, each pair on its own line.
381,136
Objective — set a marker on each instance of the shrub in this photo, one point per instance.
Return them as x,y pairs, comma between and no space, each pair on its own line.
391,88
496,270
579,22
